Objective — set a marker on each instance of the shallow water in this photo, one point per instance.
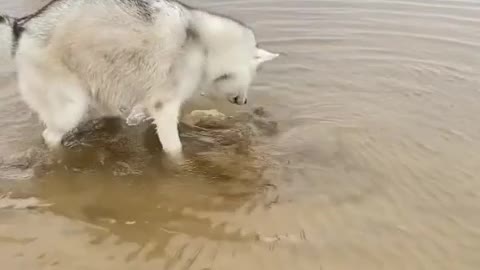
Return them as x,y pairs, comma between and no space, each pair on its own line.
374,164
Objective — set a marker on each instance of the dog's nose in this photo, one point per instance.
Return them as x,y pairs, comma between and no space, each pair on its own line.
239,100
246,101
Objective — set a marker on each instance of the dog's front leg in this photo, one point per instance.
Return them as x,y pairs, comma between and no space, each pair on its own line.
184,78
165,115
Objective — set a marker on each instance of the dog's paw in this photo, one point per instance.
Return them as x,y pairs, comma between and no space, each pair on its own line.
52,139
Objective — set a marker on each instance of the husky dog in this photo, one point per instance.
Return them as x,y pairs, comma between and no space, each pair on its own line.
128,53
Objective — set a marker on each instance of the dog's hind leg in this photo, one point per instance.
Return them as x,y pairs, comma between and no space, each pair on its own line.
56,95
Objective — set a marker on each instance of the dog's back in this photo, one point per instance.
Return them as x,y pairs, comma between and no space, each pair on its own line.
118,48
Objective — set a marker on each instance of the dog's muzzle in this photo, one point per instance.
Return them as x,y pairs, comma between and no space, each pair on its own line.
239,100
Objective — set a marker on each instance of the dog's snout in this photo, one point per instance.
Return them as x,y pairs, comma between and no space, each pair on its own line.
239,100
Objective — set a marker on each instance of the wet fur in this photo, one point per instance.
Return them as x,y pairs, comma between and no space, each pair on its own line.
117,54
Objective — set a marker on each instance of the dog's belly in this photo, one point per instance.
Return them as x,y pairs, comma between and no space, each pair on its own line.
118,79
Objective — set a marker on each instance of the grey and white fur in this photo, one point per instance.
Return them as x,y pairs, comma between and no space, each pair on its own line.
127,53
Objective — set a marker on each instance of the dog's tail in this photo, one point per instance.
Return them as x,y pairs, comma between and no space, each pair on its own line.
7,41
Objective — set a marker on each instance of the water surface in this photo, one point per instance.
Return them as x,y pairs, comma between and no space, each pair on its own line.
374,164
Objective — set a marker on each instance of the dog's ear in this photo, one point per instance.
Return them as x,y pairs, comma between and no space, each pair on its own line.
262,56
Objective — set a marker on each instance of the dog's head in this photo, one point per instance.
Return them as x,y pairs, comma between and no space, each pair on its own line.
234,62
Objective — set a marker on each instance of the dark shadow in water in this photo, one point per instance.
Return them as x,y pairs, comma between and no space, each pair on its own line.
117,177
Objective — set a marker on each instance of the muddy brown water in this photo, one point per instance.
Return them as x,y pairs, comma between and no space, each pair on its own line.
374,161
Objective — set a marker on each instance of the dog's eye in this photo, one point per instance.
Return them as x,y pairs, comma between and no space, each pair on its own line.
224,77
2,19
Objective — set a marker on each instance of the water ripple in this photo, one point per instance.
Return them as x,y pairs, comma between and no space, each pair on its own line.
374,160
